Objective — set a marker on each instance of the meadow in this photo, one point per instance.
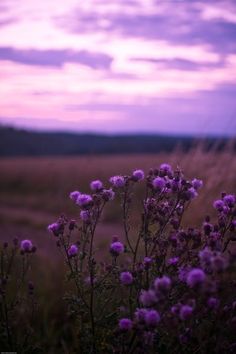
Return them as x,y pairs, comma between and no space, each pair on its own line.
34,192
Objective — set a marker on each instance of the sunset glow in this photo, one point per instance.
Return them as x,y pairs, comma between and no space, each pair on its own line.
119,66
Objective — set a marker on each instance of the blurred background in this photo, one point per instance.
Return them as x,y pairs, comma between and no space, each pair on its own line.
90,89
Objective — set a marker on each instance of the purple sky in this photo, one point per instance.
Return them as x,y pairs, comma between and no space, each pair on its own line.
119,65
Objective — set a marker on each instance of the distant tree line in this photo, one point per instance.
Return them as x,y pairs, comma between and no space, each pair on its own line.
14,142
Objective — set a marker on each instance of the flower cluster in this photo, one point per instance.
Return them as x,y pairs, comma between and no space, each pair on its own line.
162,284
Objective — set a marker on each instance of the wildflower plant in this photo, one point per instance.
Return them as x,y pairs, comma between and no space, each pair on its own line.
17,300
170,287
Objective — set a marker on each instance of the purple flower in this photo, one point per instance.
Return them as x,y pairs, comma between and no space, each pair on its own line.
218,205
173,261
26,246
138,175
117,248
139,315
205,256
84,200
195,277
185,312
162,284
159,183
192,193
148,298
152,318
117,181
96,185
165,167
147,261
55,228
85,215
74,195
197,183
125,324
183,272
126,278
213,303
229,199
108,194
72,251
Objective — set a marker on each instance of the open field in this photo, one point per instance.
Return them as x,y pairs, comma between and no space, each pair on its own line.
33,192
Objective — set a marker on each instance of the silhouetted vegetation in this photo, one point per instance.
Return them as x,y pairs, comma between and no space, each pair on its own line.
15,142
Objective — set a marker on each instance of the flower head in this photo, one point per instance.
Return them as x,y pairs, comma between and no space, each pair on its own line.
165,167
197,183
148,297
173,261
218,205
125,324
84,200
185,312
162,284
213,303
56,228
126,278
152,318
108,194
74,195
138,175
229,200
195,277
117,181
72,251
85,215
96,185
159,183
117,248
139,315
26,246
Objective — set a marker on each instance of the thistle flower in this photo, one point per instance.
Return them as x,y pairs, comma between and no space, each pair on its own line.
195,277
126,278
96,185
152,318
85,215
205,257
173,261
108,194
74,195
26,246
192,193
117,181
125,324
55,228
72,251
147,261
197,183
159,183
229,200
148,298
84,200
139,315
165,167
218,204
185,312
116,248
213,303
138,175
162,284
